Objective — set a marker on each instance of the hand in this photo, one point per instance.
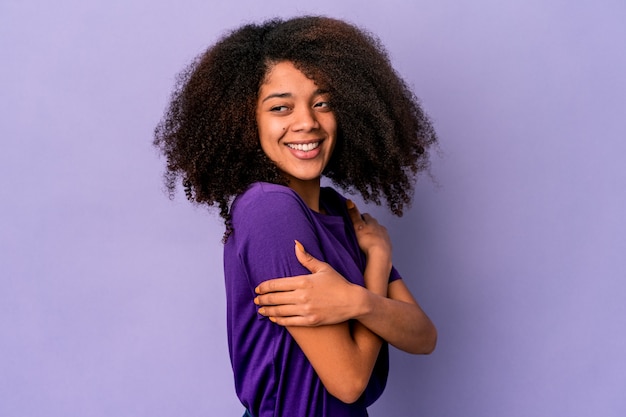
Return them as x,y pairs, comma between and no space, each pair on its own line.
372,237
320,298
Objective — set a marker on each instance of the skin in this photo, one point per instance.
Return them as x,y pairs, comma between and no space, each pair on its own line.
292,112
322,299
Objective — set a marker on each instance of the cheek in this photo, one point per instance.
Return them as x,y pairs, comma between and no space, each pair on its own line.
262,129
271,131
264,142
268,138
330,122
331,127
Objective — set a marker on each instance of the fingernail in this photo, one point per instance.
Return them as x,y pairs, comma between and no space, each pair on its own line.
256,290
299,246
256,300
272,319
262,310
349,204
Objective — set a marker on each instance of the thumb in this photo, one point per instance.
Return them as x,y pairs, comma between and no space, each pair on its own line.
307,260
354,214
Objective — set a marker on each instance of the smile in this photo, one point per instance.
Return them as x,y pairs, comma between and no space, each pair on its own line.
304,147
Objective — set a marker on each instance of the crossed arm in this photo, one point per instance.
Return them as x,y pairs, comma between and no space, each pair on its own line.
316,309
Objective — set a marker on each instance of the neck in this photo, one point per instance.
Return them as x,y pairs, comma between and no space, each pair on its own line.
309,191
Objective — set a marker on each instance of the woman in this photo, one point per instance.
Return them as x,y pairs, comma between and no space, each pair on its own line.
252,126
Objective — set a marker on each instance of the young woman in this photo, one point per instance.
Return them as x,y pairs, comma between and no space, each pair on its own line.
312,296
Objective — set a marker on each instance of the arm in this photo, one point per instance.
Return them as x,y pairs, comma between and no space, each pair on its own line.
265,223
343,357
399,320
310,300
390,312
394,316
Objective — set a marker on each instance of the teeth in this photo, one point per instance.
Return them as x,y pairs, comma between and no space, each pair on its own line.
306,147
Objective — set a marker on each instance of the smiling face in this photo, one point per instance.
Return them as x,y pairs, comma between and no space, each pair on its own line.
296,125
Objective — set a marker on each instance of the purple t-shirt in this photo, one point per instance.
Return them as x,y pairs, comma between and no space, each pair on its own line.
273,377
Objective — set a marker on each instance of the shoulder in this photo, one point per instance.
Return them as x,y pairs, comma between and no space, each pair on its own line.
265,205
267,196
266,219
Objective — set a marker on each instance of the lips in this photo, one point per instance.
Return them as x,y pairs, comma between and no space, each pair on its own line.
305,150
304,147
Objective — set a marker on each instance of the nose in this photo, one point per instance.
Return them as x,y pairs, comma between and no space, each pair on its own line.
304,119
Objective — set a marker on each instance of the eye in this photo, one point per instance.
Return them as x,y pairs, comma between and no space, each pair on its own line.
279,109
325,105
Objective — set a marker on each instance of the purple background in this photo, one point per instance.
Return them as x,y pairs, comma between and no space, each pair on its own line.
111,296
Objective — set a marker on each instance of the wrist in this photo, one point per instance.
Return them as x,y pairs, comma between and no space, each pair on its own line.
363,304
379,254
376,275
366,303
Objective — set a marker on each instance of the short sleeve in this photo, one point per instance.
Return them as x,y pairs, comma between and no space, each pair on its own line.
336,204
394,275
267,219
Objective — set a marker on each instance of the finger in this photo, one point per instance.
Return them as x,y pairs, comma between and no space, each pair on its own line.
294,321
290,315
354,214
279,311
368,219
307,260
276,298
279,284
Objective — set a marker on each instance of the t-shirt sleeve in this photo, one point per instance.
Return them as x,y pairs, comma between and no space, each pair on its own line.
338,206
394,275
265,225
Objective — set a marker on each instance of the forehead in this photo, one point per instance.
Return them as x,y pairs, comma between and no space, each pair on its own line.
281,71
287,71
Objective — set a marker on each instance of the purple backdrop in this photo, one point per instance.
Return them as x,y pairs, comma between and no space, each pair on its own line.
111,296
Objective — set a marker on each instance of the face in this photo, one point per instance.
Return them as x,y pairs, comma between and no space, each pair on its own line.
297,127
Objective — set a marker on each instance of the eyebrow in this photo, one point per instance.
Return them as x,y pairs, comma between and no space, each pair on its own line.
276,95
318,92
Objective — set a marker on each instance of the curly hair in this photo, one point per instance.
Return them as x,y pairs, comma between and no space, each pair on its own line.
209,134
